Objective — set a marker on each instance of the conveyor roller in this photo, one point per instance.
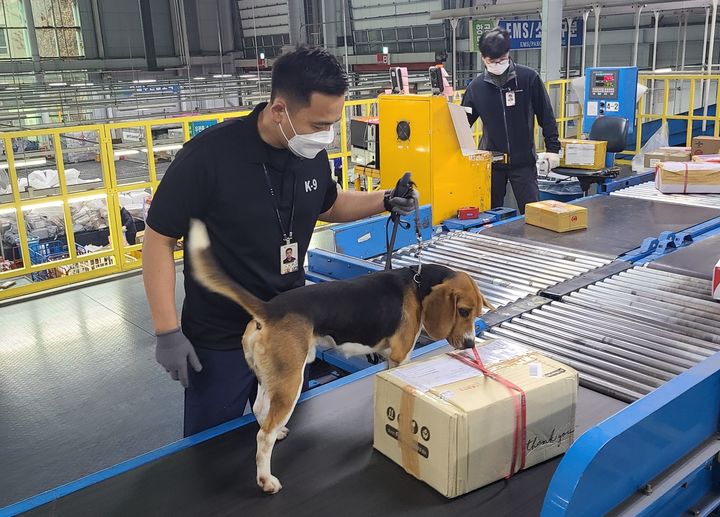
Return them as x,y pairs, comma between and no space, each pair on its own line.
627,334
505,270
648,191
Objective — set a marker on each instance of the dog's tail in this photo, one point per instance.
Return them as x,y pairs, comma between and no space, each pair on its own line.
209,274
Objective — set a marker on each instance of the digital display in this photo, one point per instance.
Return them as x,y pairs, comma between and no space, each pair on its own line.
604,85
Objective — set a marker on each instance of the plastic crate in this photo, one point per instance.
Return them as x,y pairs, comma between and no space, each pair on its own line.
50,251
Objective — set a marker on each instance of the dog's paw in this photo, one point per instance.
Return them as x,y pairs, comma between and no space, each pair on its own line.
269,484
282,433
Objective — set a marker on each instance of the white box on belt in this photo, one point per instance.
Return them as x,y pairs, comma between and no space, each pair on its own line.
716,281
456,429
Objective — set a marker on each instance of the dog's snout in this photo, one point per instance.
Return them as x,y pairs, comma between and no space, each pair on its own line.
468,342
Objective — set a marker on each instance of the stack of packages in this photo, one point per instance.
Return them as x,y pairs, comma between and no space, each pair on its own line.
459,423
700,176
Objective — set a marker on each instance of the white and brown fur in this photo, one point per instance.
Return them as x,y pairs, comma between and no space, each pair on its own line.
383,312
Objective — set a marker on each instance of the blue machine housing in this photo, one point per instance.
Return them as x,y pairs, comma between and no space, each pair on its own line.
611,91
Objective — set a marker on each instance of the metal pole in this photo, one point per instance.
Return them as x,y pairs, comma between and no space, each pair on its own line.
220,51
567,57
710,52
654,60
344,34
98,29
684,42
705,36
637,34
677,40
257,50
596,46
324,23
586,15
453,25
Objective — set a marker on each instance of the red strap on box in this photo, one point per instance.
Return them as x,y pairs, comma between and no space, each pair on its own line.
519,402
685,183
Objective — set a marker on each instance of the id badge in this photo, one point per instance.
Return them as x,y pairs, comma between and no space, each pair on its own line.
510,99
289,261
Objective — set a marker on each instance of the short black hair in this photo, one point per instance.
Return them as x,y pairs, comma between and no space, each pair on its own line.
305,70
495,43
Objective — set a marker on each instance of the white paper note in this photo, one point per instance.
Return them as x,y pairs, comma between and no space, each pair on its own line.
579,154
435,372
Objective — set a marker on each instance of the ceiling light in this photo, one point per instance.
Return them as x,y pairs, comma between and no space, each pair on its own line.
144,81
199,78
221,76
662,70
57,84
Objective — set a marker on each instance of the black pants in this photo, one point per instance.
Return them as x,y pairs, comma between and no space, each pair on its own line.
220,391
524,184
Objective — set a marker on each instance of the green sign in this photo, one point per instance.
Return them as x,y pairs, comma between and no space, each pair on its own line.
477,28
200,126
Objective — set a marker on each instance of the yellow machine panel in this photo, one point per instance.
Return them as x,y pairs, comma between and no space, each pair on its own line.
417,135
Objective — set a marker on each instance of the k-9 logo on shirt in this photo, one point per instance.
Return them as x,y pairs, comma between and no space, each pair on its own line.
311,185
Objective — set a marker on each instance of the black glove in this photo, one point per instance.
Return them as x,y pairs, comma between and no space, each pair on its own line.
173,351
403,199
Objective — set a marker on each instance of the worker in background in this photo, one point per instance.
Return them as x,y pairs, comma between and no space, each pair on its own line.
508,98
260,183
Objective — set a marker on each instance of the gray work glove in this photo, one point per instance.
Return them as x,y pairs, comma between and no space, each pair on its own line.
173,351
403,199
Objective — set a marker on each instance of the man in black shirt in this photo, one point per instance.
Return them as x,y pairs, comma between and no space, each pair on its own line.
260,184
507,97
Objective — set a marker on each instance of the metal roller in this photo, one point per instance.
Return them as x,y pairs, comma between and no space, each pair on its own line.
505,270
611,378
631,331
627,334
648,191
646,305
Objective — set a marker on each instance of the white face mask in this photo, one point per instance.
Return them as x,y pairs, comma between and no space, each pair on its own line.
498,68
310,144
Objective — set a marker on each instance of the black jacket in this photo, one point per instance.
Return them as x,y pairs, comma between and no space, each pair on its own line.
510,129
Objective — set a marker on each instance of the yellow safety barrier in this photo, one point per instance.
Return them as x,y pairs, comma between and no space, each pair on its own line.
41,264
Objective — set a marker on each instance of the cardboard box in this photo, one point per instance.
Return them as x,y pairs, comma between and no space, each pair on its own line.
556,216
705,145
713,158
688,178
716,281
666,154
583,154
455,429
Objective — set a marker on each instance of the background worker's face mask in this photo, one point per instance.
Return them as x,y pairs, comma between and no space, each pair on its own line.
310,144
498,68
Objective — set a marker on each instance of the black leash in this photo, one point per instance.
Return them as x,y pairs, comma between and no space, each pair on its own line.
402,189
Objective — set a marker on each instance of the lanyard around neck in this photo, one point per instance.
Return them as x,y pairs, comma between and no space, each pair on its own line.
287,234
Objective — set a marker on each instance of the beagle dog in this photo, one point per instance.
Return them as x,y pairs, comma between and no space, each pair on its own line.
284,331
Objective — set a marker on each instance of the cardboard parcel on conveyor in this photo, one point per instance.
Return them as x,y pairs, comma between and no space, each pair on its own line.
457,429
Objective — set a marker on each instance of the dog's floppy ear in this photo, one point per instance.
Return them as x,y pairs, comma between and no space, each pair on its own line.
439,311
482,301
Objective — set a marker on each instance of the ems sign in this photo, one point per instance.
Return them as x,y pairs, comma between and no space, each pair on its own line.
527,34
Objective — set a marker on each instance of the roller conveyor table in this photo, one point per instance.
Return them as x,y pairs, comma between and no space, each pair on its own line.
696,260
616,225
648,191
627,334
327,466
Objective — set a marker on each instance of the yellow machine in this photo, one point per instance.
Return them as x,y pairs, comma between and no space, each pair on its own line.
418,136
